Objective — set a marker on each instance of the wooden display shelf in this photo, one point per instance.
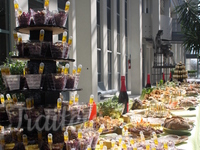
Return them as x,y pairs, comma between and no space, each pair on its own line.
42,59
54,29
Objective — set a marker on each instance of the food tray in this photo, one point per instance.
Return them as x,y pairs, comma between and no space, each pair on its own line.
177,132
33,81
13,82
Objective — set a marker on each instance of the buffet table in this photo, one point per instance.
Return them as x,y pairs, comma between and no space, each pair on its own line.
193,140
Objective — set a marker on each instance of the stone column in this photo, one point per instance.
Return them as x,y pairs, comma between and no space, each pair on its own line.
122,38
135,44
104,43
86,45
114,42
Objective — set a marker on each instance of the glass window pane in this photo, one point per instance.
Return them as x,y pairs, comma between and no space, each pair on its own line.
109,39
118,42
118,63
108,19
98,37
125,9
3,45
118,24
34,4
61,4
98,12
118,6
126,28
4,16
109,3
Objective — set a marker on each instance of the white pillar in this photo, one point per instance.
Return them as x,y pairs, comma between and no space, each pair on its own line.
104,43
72,31
122,38
53,5
86,45
155,17
114,43
135,44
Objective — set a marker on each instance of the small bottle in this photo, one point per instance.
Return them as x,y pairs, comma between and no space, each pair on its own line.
71,100
66,71
80,134
113,143
20,39
61,96
104,147
170,77
74,70
66,137
41,38
25,139
41,68
101,128
142,138
79,69
28,103
123,145
86,124
8,97
89,147
70,41
46,4
155,138
76,98
91,99
50,138
91,123
67,6
2,139
16,5
39,135
101,145
62,69
2,99
119,139
134,147
165,145
64,38
147,146
32,101
148,85
163,77
59,103
25,70
14,97
132,141
15,36
123,96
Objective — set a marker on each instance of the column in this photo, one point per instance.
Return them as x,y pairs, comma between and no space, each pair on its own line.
86,45
72,31
104,44
135,44
114,42
122,37
155,17
53,5
23,4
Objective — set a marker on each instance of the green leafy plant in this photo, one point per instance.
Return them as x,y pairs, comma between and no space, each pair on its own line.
188,13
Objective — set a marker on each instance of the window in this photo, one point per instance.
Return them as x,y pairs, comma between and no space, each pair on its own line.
35,4
118,69
126,43
99,53
99,65
109,70
4,30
